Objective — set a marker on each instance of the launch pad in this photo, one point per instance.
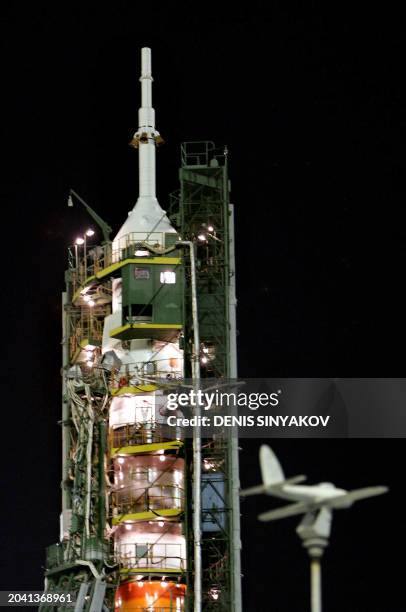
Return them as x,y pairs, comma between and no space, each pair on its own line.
150,520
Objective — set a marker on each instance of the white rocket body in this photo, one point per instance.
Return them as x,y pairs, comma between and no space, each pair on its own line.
147,217
147,221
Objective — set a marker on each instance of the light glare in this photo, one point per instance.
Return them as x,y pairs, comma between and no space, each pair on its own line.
168,277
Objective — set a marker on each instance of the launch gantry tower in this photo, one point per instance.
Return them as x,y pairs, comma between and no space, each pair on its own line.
126,538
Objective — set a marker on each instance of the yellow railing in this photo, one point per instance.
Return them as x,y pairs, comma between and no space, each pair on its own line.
87,260
159,556
156,497
146,373
85,325
133,434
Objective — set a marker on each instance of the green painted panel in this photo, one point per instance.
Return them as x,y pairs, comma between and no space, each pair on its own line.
145,294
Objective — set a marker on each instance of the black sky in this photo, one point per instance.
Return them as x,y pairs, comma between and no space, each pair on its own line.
311,103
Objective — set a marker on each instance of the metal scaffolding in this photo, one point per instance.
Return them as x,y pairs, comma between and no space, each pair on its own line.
201,209
87,562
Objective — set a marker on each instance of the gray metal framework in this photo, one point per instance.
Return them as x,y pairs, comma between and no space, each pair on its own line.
202,208
84,564
75,566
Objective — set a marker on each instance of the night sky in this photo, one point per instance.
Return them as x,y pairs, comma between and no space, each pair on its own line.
311,103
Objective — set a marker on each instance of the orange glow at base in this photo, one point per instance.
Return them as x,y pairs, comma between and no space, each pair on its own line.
142,595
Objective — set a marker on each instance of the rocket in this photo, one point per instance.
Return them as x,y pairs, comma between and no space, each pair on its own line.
148,473
125,474
147,217
147,221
